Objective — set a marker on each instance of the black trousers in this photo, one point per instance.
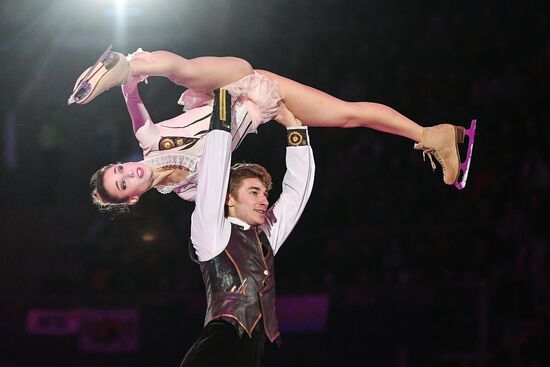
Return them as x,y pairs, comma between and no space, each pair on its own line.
219,345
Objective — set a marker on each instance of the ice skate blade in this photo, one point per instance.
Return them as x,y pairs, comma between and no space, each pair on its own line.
465,166
83,87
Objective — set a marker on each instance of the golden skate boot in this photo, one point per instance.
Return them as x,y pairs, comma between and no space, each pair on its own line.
110,70
441,141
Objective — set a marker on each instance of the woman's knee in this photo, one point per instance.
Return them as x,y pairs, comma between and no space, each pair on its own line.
242,65
346,114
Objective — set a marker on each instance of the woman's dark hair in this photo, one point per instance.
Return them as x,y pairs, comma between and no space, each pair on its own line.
101,198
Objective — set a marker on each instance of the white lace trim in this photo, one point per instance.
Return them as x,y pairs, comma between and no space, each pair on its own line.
179,160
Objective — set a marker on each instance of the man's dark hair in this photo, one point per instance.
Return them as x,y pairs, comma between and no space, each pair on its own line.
242,171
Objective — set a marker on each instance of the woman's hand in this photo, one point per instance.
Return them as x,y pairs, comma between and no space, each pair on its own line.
286,118
131,85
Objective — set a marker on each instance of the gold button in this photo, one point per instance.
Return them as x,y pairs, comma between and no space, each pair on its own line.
266,272
295,138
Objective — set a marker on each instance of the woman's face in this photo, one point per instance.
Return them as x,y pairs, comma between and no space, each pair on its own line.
127,180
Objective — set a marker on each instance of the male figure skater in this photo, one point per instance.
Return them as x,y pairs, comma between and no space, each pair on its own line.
235,235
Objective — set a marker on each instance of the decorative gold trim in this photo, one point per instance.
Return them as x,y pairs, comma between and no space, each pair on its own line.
166,144
171,142
272,339
295,139
223,115
234,264
260,249
256,322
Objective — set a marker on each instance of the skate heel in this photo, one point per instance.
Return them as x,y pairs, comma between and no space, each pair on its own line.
110,60
459,133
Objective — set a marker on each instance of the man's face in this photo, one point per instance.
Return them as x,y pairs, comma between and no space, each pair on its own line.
249,203
128,180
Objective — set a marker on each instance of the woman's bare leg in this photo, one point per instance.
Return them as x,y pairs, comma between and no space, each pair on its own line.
201,73
311,106
316,108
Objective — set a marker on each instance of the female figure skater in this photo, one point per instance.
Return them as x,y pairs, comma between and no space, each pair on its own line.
172,148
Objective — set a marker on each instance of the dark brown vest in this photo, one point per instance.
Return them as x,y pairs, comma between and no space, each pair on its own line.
240,282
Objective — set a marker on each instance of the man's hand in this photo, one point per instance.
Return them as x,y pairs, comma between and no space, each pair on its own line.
287,118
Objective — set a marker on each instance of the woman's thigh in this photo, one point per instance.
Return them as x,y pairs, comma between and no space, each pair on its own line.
312,106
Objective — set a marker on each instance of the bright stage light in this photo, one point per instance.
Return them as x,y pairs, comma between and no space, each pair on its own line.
120,9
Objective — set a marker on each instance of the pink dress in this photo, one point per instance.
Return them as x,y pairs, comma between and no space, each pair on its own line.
179,141
260,95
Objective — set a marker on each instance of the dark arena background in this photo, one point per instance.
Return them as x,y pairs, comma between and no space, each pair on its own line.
387,266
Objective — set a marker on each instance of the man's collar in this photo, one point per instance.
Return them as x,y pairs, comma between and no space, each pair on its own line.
239,222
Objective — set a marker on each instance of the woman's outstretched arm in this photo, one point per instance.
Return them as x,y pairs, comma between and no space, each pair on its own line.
136,108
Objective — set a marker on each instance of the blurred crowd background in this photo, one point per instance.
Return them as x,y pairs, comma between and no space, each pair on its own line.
417,273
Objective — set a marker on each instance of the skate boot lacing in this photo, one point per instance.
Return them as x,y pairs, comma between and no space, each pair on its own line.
428,151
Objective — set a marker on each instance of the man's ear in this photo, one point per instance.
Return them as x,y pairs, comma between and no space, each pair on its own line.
229,200
133,200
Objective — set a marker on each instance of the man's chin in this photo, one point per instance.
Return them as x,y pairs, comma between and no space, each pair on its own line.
260,221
